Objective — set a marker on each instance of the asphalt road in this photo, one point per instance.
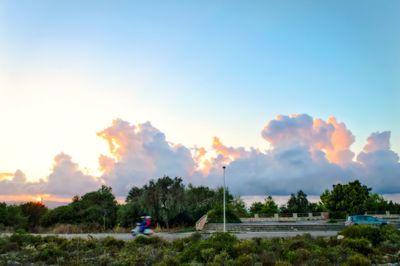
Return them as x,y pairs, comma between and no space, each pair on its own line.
173,236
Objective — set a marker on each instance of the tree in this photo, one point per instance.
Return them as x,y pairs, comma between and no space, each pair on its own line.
133,194
351,198
239,207
61,215
256,207
97,208
298,203
198,201
33,211
171,198
128,214
269,206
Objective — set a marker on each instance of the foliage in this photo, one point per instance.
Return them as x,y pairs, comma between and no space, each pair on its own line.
216,215
351,198
11,215
298,203
217,249
268,207
358,260
239,207
371,233
97,209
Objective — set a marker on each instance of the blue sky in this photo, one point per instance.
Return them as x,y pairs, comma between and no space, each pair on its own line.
194,69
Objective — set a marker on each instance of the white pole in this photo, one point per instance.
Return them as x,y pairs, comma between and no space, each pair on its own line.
223,167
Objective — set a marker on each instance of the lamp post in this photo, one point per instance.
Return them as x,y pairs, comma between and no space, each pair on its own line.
223,168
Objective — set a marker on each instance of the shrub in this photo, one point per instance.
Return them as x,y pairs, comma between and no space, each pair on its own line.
25,239
302,255
282,263
168,261
222,259
154,241
358,260
244,260
372,233
111,242
148,255
268,258
337,215
245,247
208,254
216,215
360,245
49,253
6,246
390,247
222,242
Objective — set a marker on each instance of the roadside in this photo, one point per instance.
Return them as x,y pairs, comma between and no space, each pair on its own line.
174,236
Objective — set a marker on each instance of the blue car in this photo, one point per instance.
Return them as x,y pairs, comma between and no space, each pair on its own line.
364,219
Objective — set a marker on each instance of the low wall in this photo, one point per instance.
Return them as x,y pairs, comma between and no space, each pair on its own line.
292,217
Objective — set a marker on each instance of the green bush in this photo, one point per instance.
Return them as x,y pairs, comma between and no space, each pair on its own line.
25,239
7,246
245,247
337,215
282,263
222,242
268,258
223,259
244,260
372,233
49,253
358,260
216,215
208,254
360,245
302,256
154,241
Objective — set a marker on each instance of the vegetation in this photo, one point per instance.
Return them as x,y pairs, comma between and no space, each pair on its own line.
354,198
362,245
171,204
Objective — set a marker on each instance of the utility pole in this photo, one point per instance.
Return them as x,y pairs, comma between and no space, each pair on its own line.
223,168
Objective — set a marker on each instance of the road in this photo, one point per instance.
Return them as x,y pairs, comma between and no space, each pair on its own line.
173,236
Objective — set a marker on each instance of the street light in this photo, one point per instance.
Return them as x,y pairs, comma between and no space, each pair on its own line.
223,167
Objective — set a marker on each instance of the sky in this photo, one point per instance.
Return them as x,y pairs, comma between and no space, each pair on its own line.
118,92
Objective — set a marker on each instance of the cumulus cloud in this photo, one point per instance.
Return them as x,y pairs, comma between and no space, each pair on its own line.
305,153
286,132
379,166
13,183
308,154
67,179
139,153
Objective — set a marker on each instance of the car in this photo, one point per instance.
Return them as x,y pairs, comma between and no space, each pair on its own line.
364,219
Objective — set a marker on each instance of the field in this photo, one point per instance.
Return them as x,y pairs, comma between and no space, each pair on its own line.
361,245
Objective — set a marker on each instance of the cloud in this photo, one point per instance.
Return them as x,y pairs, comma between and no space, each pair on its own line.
305,153
286,132
139,153
308,154
379,166
67,179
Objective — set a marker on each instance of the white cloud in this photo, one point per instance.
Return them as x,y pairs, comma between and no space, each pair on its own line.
306,153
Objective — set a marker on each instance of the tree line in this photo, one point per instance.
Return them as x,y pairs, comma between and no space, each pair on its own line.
172,204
